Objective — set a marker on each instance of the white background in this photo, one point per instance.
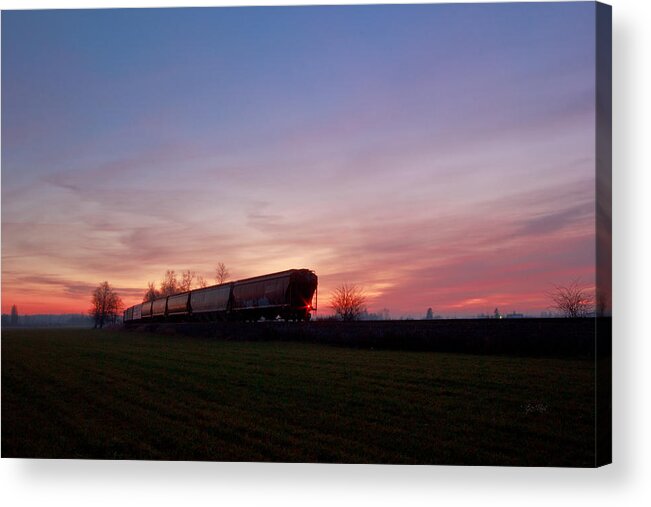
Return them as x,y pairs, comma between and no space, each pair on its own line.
626,482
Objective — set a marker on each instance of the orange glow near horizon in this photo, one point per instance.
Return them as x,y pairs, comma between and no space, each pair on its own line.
475,271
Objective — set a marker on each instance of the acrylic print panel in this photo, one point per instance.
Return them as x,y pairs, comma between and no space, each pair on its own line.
341,234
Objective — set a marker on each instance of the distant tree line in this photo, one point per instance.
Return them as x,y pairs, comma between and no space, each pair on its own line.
47,320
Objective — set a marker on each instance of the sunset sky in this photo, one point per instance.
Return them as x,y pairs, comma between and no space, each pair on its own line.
437,155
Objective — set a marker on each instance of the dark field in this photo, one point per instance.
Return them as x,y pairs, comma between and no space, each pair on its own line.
118,395
572,338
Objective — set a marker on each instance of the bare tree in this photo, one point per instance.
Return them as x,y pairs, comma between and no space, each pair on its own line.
187,277
221,273
572,300
170,285
348,302
201,282
105,305
151,293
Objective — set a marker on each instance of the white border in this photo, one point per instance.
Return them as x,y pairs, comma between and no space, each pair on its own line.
45,482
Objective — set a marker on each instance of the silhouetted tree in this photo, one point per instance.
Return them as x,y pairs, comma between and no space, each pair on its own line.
14,315
348,302
151,293
187,277
201,282
170,285
429,315
221,273
572,300
105,305
496,314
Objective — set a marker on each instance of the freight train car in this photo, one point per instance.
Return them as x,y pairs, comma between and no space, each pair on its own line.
286,295
211,303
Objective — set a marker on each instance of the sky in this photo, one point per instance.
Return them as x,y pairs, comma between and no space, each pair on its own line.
435,155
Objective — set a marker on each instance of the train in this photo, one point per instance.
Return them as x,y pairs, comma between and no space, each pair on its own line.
286,295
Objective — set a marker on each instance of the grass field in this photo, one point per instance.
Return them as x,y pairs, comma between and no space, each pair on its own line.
118,395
